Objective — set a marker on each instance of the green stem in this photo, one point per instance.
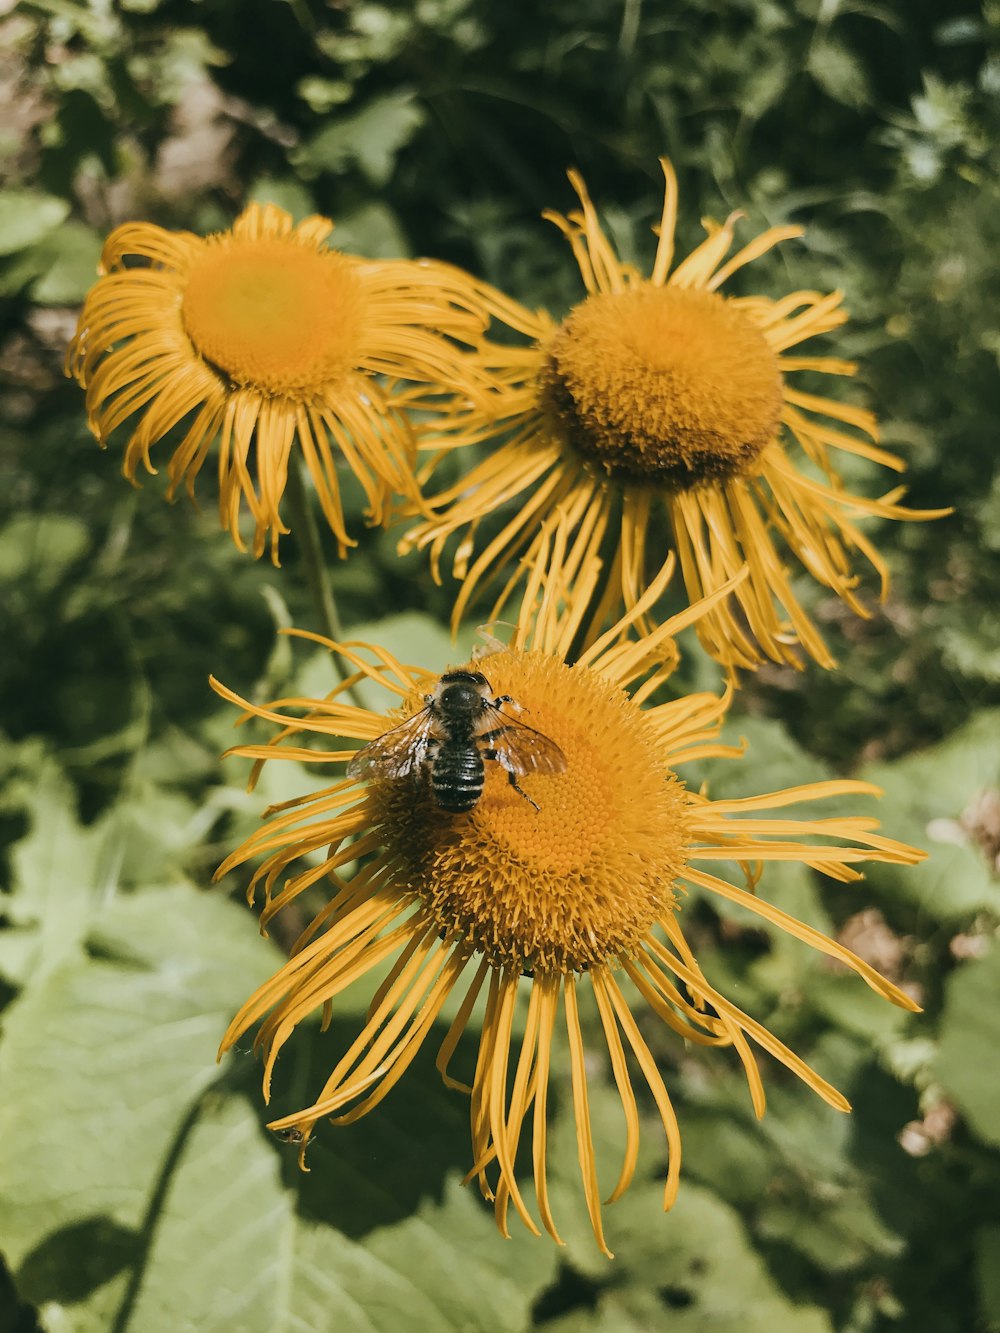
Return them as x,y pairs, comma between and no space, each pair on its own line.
306,532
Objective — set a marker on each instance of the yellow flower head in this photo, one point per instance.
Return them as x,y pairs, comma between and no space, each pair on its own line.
262,339
661,414
579,886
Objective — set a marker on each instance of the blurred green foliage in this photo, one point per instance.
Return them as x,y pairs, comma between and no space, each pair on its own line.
138,1190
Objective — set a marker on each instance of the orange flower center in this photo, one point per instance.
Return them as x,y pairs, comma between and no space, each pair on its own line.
663,384
575,883
275,315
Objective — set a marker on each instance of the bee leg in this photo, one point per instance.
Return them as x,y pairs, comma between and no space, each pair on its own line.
501,759
512,779
508,699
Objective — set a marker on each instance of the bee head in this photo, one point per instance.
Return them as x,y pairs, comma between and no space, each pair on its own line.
462,691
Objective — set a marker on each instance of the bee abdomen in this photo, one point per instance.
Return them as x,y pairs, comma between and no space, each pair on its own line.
457,778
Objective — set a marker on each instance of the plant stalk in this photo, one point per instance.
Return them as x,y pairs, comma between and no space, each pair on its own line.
310,546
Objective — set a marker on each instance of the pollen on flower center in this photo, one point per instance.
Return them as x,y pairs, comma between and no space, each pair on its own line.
576,883
667,383
275,315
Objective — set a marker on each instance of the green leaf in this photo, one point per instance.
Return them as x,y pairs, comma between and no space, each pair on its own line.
925,797
728,1151
179,1214
323,95
447,1268
686,1271
444,1269
765,86
373,230
988,1276
40,548
112,1051
852,1006
70,257
692,1270
59,870
372,137
286,192
966,1060
26,216
217,1256
973,649
841,1233
839,73
772,759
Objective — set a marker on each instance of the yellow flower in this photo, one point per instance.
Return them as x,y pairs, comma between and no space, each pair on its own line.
662,414
584,892
262,339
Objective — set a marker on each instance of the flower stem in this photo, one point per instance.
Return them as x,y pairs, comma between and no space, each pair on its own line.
306,532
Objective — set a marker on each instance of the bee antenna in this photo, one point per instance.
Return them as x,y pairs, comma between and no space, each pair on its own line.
492,644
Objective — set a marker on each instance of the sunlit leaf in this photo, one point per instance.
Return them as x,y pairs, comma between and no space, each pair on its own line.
60,870
966,1060
839,73
103,1063
27,215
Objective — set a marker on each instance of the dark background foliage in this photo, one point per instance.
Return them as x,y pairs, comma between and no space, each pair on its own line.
138,1190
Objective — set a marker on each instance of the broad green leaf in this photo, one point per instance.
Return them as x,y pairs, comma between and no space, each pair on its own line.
60,870
966,1060
286,192
102,1062
71,256
729,1151
372,137
925,797
26,216
941,779
181,1204
782,1166
228,1247
445,1267
40,548
766,85
373,230
707,1273
843,1232
217,1249
811,1137
772,760
851,1006
692,1270
972,649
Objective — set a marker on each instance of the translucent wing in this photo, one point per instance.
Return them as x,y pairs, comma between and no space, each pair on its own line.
398,752
520,748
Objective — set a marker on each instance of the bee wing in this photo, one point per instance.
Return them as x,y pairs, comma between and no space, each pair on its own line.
395,753
520,748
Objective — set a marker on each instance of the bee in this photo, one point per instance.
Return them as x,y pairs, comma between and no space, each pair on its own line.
460,726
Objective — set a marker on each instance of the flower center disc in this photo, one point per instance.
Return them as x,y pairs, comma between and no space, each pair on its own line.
274,315
575,883
663,384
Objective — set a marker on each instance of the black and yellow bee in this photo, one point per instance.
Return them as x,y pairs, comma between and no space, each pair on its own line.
461,726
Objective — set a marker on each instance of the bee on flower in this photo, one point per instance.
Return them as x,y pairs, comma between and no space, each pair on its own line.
581,886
